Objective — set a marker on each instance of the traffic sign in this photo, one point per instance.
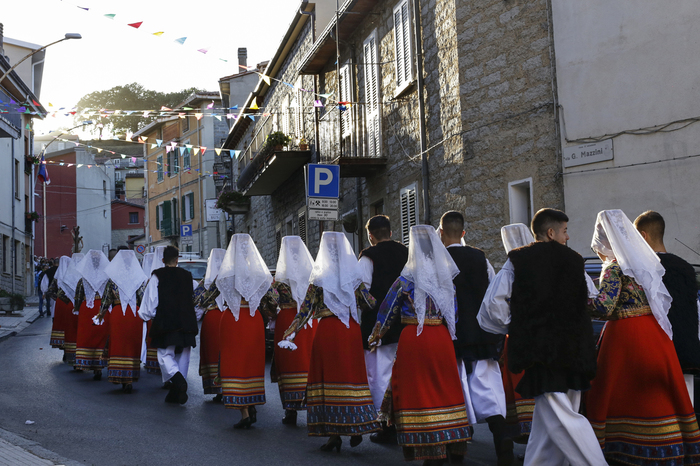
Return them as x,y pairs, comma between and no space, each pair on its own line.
323,214
186,240
141,248
322,203
322,180
185,230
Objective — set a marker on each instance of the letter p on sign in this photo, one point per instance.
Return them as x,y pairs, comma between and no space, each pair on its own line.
323,180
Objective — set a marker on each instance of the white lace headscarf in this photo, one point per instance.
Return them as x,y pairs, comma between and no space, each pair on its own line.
338,272
216,257
157,260
516,235
148,263
616,238
243,275
71,277
294,267
92,270
431,269
61,271
126,272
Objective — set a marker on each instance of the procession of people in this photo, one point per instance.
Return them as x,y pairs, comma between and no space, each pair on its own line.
414,345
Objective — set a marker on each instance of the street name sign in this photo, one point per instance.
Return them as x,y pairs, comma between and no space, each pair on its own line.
587,153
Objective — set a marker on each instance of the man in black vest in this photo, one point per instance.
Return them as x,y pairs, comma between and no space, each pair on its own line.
45,281
539,298
381,265
476,350
168,300
682,285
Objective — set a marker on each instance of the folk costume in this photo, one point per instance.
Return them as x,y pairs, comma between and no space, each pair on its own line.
121,299
61,305
425,401
381,265
210,303
287,294
69,284
243,280
169,302
518,409
338,397
151,357
539,299
92,339
638,404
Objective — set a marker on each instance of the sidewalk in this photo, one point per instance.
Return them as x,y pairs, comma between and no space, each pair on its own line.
11,325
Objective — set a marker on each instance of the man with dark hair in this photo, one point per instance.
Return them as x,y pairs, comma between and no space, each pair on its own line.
476,350
381,265
539,299
45,282
682,285
168,300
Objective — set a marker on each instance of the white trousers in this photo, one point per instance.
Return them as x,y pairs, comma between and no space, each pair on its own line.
171,363
379,364
483,390
560,436
690,385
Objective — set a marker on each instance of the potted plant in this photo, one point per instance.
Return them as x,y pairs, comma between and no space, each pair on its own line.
277,140
11,301
31,216
303,145
233,202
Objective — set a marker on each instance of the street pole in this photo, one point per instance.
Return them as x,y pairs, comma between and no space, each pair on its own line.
46,254
67,36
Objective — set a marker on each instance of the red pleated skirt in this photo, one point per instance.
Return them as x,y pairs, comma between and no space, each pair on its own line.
152,366
242,366
427,398
91,340
518,409
292,366
338,397
638,404
209,349
60,315
71,335
125,340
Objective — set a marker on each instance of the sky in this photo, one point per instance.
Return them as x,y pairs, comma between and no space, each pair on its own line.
112,53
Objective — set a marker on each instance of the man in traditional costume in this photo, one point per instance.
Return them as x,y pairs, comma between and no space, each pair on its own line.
425,400
291,368
477,351
381,265
151,262
681,283
539,299
638,404
168,300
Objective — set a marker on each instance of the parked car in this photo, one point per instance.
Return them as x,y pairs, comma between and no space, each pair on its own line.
197,267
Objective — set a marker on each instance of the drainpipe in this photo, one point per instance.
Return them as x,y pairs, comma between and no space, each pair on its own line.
421,110
12,246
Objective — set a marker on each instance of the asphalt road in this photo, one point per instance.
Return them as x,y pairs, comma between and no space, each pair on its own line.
95,423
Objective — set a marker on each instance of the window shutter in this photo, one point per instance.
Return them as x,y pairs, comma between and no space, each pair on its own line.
404,48
166,224
285,116
409,212
299,114
345,96
183,204
302,226
158,212
191,216
372,97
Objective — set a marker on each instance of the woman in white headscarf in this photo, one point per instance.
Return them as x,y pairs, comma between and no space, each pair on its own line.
518,409
69,285
147,263
92,339
121,298
291,368
638,404
337,393
211,305
427,402
243,280
64,306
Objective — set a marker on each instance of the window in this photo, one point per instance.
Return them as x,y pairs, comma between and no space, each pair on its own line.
159,216
520,201
303,226
286,119
188,207
185,124
377,208
186,159
16,179
5,253
345,96
404,46
409,211
15,264
159,163
297,110
173,162
104,187
133,217
374,141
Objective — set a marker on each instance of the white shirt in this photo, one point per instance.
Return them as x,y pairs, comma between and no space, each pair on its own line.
494,313
149,303
44,285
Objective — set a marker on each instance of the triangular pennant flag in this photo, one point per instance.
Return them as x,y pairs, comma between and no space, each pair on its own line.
89,166
325,96
189,146
153,146
211,105
195,150
144,138
251,117
130,112
181,40
110,16
182,150
204,149
123,156
159,142
235,107
318,103
164,108
173,144
27,127
159,33
70,165
229,115
35,102
79,165
83,8
181,115
218,151
187,108
218,117
133,159
266,79
167,149
136,25
223,60
254,106
99,150
50,104
199,115
290,85
204,51
146,113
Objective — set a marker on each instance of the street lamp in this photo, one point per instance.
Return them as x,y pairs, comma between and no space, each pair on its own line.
66,37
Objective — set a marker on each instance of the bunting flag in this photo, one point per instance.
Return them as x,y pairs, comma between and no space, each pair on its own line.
159,142
181,40
159,33
254,106
266,79
136,25
199,115
204,51
318,104
218,151
110,16
211,105
83,8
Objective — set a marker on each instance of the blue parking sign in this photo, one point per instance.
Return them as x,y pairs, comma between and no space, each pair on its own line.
185,230
322,180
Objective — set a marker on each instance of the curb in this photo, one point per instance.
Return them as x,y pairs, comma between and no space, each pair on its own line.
28,321
36,449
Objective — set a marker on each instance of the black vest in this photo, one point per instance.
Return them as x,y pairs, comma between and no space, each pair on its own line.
388,259
682,285
549,323
175,323
472,343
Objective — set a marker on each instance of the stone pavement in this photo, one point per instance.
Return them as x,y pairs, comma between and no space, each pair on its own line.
11,325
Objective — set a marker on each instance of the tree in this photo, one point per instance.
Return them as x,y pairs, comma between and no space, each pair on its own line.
129,97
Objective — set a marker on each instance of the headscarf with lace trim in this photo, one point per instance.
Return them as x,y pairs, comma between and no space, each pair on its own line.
92,270
294,267
516,235
216,257
127,274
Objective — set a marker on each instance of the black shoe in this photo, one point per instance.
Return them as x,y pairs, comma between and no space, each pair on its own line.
167,385
218,398
333,442
180,386
505,452
385,436
290,417
243,424
128,388
355,440
171,397
97,375
253,413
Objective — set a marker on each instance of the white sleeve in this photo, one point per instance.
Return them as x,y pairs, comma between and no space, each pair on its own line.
149,303
489,270
592,289
698,302
44,286
367,270
494,313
